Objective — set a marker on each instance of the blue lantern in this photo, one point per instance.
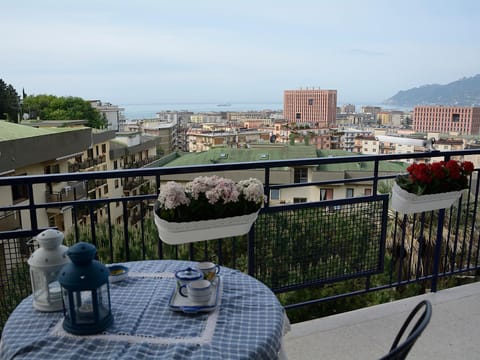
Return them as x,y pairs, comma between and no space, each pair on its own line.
85,292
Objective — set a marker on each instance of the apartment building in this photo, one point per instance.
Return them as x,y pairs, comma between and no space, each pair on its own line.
131,151
112,113
347,109
201,118
447,119
263,152
165,131
176,117
373,110
26,150
349,135
367,145
317,107
200,140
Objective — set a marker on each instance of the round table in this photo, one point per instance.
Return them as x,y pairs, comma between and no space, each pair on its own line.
247,323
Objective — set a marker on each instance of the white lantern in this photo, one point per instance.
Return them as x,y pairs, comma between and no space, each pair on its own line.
45,265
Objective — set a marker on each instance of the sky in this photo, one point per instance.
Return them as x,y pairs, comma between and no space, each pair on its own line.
159,51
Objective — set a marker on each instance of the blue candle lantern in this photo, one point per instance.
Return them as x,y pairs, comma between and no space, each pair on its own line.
85,292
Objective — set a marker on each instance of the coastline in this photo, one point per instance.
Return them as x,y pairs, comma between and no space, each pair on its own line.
146,111
149,110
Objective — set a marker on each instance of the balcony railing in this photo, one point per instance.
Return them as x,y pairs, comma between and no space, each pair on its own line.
293,246
70,192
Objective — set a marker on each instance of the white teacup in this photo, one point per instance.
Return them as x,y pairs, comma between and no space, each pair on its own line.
188,275
209,270
198,291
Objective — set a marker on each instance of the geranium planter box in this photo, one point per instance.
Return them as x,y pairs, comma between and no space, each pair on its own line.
408,203
175,233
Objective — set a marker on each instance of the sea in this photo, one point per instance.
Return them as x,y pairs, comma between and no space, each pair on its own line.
148,111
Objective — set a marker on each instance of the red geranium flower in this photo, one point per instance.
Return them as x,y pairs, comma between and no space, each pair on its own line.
436,177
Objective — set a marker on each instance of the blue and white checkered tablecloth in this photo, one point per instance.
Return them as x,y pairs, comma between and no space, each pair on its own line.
248,323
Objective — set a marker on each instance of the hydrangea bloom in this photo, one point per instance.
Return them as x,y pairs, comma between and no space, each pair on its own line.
172,195
209,197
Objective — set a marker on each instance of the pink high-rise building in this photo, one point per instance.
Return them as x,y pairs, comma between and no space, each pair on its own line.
444,119
317,107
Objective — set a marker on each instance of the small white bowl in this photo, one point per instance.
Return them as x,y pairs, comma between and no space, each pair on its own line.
117,273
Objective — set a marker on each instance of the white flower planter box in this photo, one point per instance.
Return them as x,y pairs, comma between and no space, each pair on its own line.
408,203
186,232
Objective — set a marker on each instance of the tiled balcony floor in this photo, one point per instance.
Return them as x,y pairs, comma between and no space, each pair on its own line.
368,333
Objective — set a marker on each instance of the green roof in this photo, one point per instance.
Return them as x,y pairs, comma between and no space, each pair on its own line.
385,166
231,155
12,131
279,152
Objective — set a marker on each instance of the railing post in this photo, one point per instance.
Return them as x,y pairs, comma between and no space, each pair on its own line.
250,251
438,249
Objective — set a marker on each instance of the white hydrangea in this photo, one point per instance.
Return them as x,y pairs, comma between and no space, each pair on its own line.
252,189
172,195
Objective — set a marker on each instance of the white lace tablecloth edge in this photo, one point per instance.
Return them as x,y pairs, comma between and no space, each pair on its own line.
205,338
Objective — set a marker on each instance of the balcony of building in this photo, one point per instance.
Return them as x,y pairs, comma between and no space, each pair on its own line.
88,164
368,333
10,220
69,192
318,255
139,163
135,186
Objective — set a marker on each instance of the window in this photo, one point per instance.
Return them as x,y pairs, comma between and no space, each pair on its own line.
349,193
367,192
299,200
326,194
310,101
19,192
298,116
115,165
300,175
455,117
105,189
104,148
116,183
275,194
52,169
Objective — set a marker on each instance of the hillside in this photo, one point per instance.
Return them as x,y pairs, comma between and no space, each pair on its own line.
463,92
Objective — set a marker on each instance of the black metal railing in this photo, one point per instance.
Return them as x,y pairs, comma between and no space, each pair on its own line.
309,245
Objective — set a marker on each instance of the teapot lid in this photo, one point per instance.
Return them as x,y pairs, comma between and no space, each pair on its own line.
188,274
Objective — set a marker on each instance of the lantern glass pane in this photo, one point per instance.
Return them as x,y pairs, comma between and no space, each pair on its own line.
103,303
66,303
39,284
54,290
83,307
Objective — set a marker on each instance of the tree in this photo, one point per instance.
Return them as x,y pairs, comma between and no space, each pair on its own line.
9,102
50,107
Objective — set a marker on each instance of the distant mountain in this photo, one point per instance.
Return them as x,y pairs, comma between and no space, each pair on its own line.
463,92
